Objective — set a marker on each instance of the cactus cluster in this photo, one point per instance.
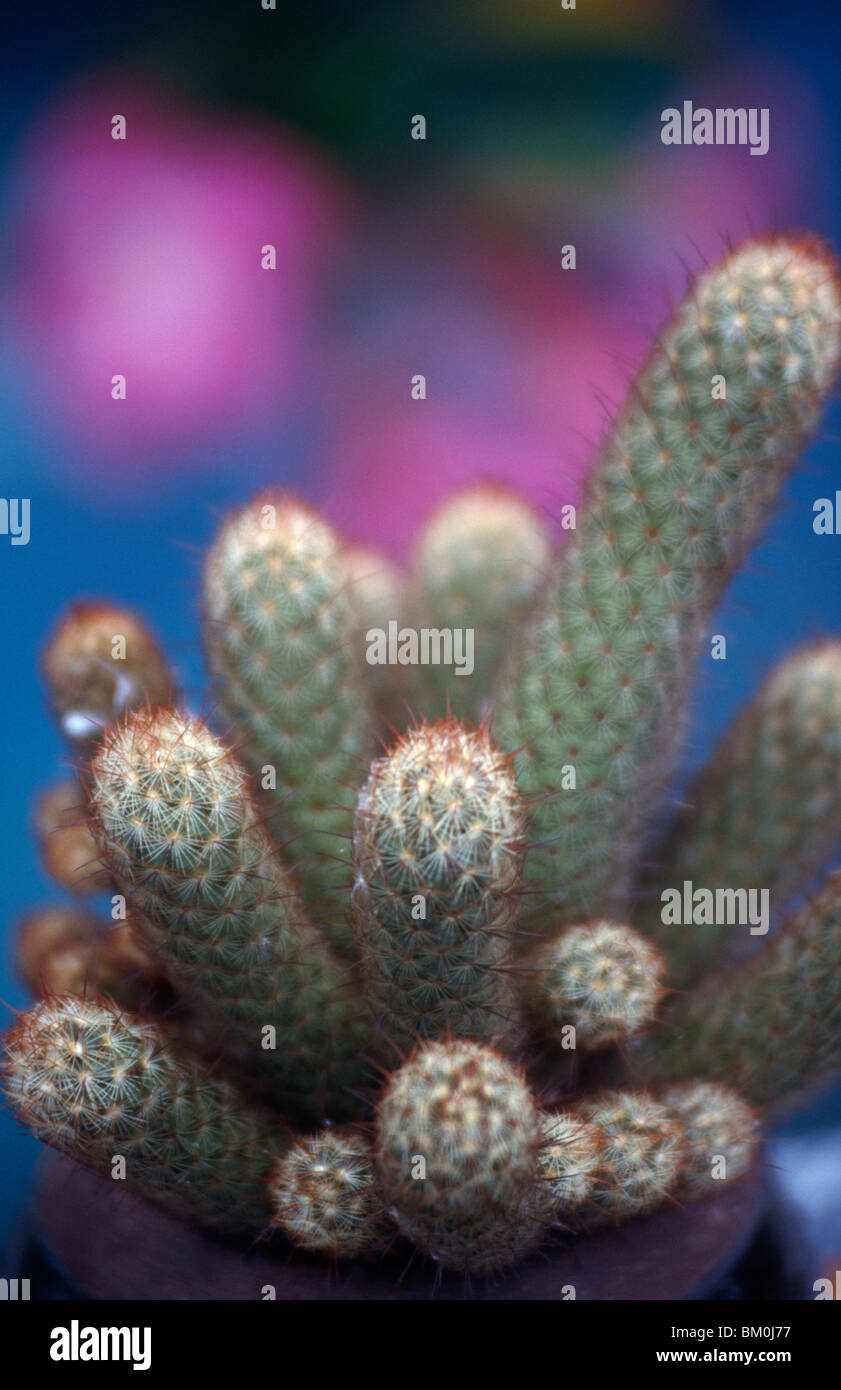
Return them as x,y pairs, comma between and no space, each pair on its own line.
361,923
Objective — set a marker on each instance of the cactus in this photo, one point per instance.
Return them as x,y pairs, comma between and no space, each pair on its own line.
771,1026
438,856
456,1152
379,592
100,662
281,624
642,1154
720,1134
68,850
569,1162
104,1088
181,835
765,811
602,979
63,951
495,869
324,1197
684,485
479,562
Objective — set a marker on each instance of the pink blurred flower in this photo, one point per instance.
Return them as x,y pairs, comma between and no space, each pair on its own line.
523,366
142,257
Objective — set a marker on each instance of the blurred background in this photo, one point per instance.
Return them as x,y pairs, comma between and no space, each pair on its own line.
395,256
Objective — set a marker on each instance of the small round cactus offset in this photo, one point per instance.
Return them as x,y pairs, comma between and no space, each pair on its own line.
64,951
720,1134
644,1147
100,662
569,1162
603,980
457,1141
323,1195
331,1005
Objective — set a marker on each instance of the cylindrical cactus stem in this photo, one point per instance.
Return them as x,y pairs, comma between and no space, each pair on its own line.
642,1156
438,853
770,1027
720,1133
68,850
457,1140
569,1163
63,950
765,814
324,1196
601,979
100,662
180,833
479,562
109,1091
687,478
379,589
285,649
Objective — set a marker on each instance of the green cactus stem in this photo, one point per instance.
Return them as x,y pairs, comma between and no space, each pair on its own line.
770,1027
764,814
438,853
379,589
283,640
182,837
479,562
685,483
108,1090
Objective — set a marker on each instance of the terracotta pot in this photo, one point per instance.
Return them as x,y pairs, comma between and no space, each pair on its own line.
108,1243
